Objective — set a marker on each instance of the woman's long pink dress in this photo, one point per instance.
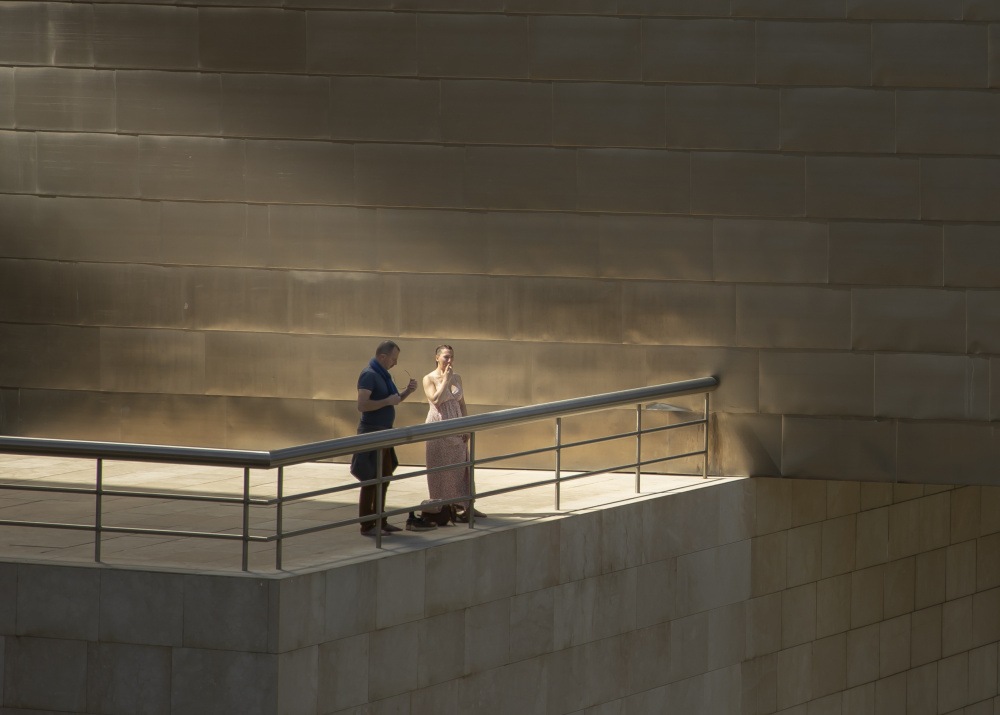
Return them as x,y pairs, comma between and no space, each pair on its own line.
448,483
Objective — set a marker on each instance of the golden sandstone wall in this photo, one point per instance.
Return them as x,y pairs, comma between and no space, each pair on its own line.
210,215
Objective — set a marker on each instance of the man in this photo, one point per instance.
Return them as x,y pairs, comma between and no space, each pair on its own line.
377,400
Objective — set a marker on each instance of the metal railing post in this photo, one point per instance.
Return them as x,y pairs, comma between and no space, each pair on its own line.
472,479
378,498
246,518
558,458
704,464
638,447
98,509
280,509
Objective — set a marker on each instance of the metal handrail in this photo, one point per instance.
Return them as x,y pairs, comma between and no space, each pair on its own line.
288,456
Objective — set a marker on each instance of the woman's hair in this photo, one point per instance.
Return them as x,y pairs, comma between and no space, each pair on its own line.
439,348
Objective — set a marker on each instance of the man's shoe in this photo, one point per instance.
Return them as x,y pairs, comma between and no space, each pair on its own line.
371,532
416,523
386,526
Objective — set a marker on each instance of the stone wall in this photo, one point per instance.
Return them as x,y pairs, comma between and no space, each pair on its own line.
750,596
210,215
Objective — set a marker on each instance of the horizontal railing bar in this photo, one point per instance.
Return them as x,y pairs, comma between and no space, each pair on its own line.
47,525
123,493
126,530
673,456
128,452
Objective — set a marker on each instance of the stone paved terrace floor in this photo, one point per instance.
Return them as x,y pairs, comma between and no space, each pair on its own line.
314,551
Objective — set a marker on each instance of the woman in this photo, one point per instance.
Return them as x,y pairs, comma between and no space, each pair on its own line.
443,388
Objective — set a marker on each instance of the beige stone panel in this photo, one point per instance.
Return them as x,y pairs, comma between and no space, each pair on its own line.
922,690
599,607
191,168
763,625
44,33
152,102
565,309
953,682
793,317
928,55
862,655
592,48
988,562
904,529
804,554
520,178
989,514
607,114
885,253
830,9
54,602
483,312
843,498
867,596
949,386
50,356
833,605
860,700
69,414
894,645
45,673
807,500
935,520
769,560
7,98
828,53
774,512
440,655
837,119
958,452
904,10
479,111
483,45
770,251
141,607
63,99
965,506
28,229
621,538
202,233
873,537
816,383
384,108
678,313
798,615
835,448
419,241
875,495
983,317
407,175
746,444
123,677
300,172
688,646
39,292
863,187
839,541
84,164
350,601
193,420
258,365
721,117
890,695
947,122
982,673
147,360
252,40
961,570
400,596
228,613
646,659
737,368
957,628
392,667
544,244
829,665
960,189
986,617
904,491
105,230
262,105
713,578
727,183
656,247
917,319
925,635
671,7
146,37
235,299
365,43
19,161
698,50
342,671
726,636
630,180
929,578
794,668
898,590
319,237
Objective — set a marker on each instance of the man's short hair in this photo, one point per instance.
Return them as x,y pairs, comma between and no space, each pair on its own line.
386,347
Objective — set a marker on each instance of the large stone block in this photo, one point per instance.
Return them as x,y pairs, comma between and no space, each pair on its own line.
532,624
867,596
769,563
141,607
58,602
898,591
862,655
931,386
351,593
811,53
833,605
837,119
685,314
794,667
594,48
519,178
793,317
63,99
473,111
214,681
947,122
342,672
928,54
715,577
885,253
252,40
700,50
959,189
829,665
946,452
894,645
908,319
671,7
365,43
862,187
153,102
983,317
839,544
969,254
805,554
903,10
227,613
128,679
45,674
481,45
722,117
726,183
85,164
148,37
634,180
608,114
